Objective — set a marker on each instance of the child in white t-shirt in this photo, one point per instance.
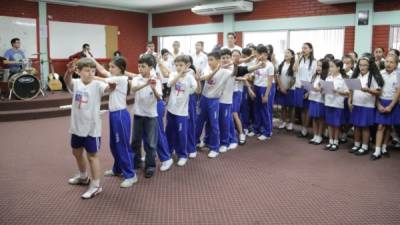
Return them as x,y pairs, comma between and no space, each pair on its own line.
386,107
362,103
316,110
334,103
85,126
147,91
120,122
182,84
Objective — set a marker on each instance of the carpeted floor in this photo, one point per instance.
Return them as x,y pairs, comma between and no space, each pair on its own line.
282,181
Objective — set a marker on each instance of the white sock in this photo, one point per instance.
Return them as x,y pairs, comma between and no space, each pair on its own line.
336,142
83,174
357,144
365,147
318,138
384,148
96,183
377,151
330,141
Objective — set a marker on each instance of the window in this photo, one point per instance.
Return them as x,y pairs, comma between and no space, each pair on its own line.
188,42
278,39
395,37
323,41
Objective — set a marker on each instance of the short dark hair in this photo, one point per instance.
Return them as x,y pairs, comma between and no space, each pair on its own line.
117,53
215,54
85,62
226,51
236,50
397,52
86,45
200,42
231,33
147,59
246,51
14,40
182,58
261,49
163,51
329,57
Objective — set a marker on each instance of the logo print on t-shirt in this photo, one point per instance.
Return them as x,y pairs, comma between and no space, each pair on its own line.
81,98
211,82
179,88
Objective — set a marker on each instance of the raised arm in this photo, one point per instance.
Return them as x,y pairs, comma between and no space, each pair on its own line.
71,67
211,74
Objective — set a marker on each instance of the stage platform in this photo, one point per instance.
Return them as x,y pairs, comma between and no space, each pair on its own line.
47,106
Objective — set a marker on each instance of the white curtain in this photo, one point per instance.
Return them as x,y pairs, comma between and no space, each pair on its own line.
323,41
188,42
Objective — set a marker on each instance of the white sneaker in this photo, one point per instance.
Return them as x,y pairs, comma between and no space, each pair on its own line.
283,125
129,182
166,165
233,146
289,126
91,192
201,145
223,149
262,138
242,138
110,173
251,134
78,180
182,161
304,131
213,154
192,155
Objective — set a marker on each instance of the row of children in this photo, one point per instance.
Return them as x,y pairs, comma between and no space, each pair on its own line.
372,106
183,130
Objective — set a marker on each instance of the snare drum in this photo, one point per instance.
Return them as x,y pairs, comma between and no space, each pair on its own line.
24,86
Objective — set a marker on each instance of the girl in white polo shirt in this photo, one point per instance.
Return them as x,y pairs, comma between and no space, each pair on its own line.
362,103
317,108
385,107
334,103
304,68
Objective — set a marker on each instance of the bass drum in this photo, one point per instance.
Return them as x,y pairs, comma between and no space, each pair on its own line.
24,86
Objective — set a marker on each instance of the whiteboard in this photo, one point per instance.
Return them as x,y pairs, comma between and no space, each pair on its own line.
67,38
22,28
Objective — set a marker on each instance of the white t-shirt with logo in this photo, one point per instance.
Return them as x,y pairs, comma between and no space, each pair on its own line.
335,100
227,93
390,85
261,75
178,103
305,72
365,99
145,100
213,87
85,112
117,99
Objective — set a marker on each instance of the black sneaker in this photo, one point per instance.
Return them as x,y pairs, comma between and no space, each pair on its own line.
149,172
361,151
374,157
386,154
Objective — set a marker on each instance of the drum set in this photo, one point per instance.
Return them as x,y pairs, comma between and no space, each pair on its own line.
23,85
